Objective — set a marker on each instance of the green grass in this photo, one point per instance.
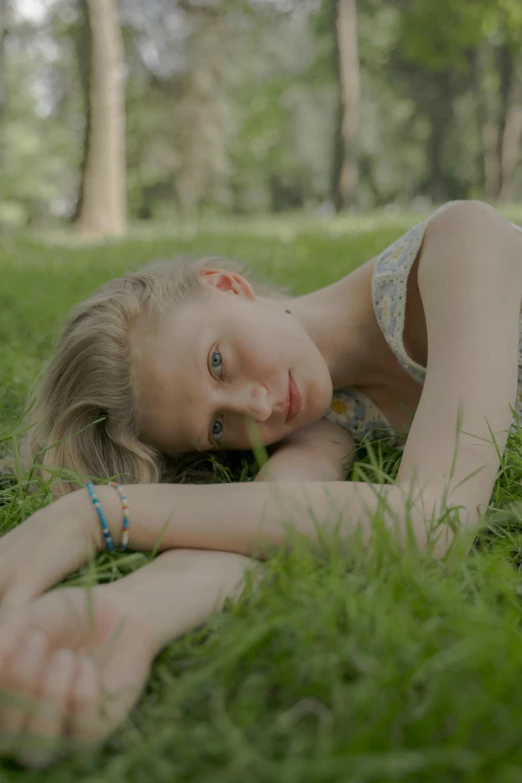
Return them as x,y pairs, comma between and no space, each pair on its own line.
371,666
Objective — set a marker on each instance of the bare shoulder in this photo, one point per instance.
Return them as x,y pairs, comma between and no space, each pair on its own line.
472,251
466,225
462,214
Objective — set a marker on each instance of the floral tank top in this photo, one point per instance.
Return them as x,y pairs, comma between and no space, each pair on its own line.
353,409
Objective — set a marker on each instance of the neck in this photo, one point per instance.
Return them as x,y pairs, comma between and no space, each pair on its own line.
341,322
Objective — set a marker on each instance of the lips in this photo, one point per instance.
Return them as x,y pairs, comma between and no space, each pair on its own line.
295,401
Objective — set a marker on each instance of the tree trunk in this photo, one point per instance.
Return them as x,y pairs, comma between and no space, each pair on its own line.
82,41
487,93
103,193
434,97
437,183
203,108
3,33
491,160
345,166
511,135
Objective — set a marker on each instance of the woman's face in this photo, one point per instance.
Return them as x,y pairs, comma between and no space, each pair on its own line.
222,359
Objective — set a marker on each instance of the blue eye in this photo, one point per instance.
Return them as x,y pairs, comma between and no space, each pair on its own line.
217,429
216,361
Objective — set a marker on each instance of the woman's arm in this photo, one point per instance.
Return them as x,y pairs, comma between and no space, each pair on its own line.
322,451
247,518
53,691
470,281
64,534
200,581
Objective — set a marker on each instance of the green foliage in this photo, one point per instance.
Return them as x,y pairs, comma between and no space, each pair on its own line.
443,34
231,106
454,28
42,123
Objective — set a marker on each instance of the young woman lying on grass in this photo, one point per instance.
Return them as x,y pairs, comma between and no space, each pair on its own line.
422,340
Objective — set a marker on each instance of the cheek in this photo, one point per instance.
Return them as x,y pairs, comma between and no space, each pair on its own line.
262,351
242,437
270,347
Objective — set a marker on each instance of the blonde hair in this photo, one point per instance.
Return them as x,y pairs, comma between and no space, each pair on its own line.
83,414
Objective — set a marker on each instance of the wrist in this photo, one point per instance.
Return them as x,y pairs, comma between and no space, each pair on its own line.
85,512
133,607
200,580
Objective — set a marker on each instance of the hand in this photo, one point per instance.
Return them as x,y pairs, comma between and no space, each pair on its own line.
72,665
45,548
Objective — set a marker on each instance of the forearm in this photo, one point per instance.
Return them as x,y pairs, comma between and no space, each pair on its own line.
301,467
253,518
245,518
180,589
322,451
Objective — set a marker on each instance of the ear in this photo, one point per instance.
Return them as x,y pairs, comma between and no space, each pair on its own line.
227,282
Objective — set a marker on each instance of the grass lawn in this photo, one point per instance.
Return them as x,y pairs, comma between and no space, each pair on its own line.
363,667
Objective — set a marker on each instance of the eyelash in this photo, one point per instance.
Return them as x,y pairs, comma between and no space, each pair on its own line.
219,418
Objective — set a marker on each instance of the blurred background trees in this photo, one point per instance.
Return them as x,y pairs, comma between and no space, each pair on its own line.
249,106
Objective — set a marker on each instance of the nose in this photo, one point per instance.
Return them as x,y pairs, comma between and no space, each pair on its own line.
251,400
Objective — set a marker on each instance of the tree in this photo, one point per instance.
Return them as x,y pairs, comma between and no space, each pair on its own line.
3,33
234,105
510,132
345,168
204,108
82,44
486,90
503,22
482,39
103,201
499,105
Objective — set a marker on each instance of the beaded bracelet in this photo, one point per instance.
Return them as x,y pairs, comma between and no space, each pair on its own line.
125,507
101,516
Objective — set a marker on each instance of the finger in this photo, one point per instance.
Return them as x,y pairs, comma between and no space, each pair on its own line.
87,723
45,732
11,632
20,680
